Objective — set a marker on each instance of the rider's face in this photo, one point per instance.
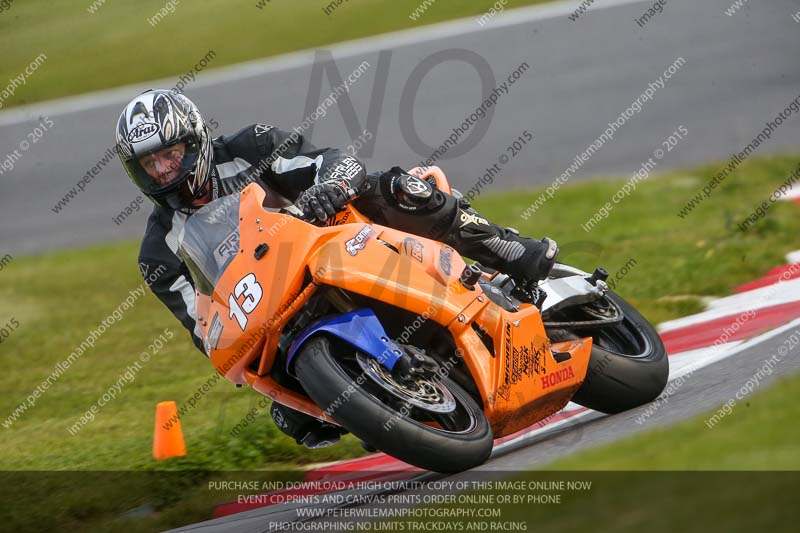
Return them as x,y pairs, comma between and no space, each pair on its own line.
164,165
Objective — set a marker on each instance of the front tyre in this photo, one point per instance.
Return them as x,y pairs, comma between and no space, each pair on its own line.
434,425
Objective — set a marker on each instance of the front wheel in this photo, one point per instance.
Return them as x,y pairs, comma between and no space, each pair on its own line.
628,366
432,424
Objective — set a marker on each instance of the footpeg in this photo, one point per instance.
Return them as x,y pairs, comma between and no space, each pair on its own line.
322,437
529,292
599,274
470,276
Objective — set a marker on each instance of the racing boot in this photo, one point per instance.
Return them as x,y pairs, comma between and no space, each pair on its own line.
525,259
306,430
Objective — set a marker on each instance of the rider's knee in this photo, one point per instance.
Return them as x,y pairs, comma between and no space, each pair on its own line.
412,194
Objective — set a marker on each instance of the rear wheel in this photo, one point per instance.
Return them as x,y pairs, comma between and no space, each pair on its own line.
628,365
432,424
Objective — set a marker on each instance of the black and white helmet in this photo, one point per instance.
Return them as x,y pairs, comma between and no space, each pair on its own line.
158,119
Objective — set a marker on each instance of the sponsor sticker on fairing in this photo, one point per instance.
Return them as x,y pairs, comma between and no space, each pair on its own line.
359,241
214,333
414,248
228,247
557,377
445,260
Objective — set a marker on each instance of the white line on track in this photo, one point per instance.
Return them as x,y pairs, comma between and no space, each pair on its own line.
710,355
737,304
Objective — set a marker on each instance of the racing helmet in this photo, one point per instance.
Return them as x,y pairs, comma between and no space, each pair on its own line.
156,120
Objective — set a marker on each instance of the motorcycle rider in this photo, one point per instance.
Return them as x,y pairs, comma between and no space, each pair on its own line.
164,145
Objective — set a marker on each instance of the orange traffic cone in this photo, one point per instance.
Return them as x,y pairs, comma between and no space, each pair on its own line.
168,436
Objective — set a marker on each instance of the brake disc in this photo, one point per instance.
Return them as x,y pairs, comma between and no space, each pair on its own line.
419,392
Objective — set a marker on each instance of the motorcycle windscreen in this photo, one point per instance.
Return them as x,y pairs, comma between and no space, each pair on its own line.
210,240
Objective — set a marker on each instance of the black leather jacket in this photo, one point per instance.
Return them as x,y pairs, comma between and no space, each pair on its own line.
284,161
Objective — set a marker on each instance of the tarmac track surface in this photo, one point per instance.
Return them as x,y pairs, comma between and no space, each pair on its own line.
739,72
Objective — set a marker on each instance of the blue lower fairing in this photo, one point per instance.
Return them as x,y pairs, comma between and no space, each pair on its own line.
360,328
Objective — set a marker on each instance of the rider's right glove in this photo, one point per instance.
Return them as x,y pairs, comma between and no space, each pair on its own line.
323,200
340,183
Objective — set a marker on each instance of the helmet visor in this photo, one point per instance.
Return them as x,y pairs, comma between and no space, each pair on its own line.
164,169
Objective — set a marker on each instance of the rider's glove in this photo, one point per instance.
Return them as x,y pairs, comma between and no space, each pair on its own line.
340,182
322,201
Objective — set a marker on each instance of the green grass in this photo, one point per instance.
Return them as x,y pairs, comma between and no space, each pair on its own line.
678,261
117,46
57,298
760,433
631,502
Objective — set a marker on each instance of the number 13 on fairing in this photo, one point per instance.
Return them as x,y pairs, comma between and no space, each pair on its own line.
252,292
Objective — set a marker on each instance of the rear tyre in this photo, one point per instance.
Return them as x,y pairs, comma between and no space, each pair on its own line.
628,366
450,442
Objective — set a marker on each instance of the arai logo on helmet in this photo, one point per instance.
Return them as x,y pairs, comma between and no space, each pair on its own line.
143,131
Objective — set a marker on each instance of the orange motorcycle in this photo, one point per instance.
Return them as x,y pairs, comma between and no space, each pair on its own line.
399,341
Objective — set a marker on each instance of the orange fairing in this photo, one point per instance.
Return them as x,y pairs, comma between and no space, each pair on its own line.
517,376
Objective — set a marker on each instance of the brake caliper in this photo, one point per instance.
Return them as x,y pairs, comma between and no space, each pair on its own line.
414,364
